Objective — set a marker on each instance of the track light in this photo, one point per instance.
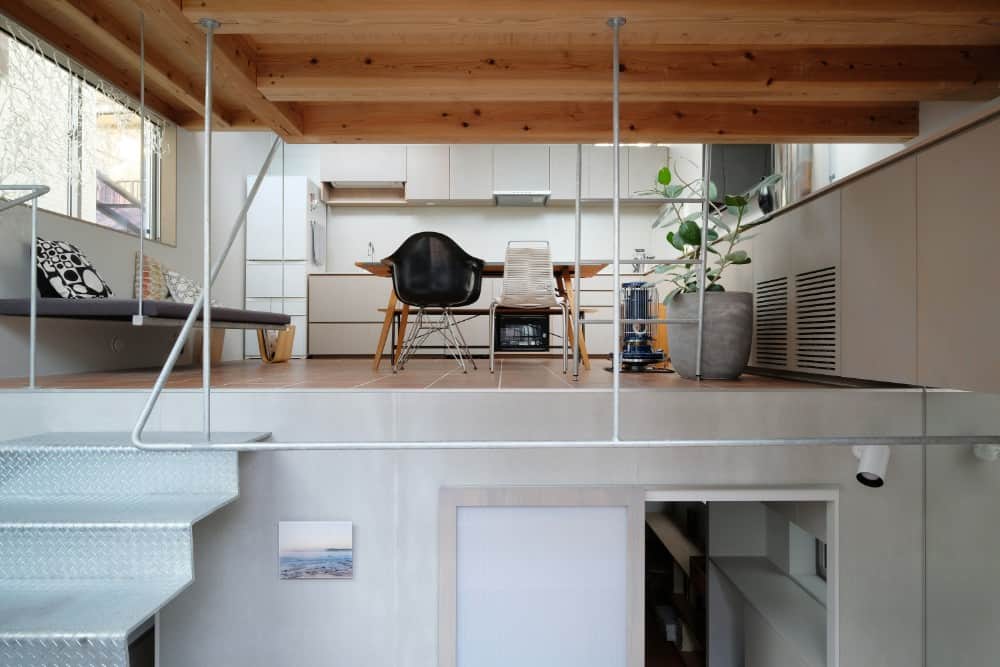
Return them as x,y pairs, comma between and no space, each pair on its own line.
873,460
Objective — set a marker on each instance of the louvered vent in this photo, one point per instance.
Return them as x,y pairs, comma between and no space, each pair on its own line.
816,319
772,322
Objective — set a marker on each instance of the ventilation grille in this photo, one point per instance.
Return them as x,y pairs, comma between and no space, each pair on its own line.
772,322
816,319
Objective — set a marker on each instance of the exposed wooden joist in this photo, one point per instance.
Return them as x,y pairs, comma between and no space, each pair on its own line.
664,73
123,75
234,67
650,21
87,21
563,122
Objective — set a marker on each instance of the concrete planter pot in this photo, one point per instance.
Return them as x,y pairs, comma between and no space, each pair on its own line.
728,334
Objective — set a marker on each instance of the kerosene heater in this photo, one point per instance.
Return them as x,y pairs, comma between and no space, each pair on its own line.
639,301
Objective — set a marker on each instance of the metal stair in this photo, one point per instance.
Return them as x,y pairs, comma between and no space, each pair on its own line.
95,537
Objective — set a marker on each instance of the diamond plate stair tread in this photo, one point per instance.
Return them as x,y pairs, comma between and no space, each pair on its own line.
37,609
122,439
85,510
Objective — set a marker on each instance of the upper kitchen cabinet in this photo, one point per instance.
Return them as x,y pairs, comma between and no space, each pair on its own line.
644,163
957,267
428,174
360,164
521,168
471,172
598,171
879,275
562,172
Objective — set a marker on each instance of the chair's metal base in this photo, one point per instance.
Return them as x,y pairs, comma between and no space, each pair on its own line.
425,326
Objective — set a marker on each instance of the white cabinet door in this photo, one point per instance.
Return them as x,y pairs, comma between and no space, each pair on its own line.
347,298
296,215
879,277
520,167
264,220
598,172
295,280
958,273
562,172
363,163
427,176
264,279
471,172
644,163
352,338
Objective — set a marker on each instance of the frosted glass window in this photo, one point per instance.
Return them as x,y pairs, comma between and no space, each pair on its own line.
541,586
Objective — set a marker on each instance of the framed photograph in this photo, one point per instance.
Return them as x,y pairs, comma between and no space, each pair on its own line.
315,550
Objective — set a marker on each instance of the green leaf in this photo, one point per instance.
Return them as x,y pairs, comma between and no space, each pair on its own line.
675,241
664,176
673,191
713,192
711,235
738,257
736,201
715,287
690,232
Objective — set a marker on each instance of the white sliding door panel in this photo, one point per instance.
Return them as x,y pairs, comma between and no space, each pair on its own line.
542,586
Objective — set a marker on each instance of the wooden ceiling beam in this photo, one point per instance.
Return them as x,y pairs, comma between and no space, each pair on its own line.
562,122
122,75
664,73
87,21
234,68
649,21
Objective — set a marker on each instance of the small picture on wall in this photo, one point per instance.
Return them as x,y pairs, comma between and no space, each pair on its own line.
315,550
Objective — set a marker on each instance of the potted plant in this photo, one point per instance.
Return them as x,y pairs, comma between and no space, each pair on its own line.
728,316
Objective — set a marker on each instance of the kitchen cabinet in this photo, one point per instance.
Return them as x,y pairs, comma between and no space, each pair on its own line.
427,172
879,277
471,172
644,163
598,170
357,164
562,172
957,268
520,167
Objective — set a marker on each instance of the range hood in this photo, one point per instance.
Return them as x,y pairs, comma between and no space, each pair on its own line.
521,197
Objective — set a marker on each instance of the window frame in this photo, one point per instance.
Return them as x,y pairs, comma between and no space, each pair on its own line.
161,168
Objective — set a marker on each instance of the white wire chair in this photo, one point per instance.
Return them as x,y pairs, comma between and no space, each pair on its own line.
528,284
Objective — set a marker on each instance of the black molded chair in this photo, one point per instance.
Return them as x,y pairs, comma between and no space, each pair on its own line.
430,270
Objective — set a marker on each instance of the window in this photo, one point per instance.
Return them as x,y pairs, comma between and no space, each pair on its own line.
63,128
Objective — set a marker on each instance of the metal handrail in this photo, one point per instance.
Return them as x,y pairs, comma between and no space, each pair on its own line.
198,305
35,191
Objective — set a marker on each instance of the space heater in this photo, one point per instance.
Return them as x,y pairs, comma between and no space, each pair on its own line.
639,301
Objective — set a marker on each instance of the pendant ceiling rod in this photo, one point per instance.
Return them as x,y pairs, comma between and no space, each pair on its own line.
143,185
616,366
210,26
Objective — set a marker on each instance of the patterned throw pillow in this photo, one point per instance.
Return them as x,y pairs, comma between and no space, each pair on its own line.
154,279
65,273
182,289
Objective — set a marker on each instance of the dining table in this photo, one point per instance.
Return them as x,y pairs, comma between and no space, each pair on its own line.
563,272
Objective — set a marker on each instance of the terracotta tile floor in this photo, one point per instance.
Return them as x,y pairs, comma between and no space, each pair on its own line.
511,373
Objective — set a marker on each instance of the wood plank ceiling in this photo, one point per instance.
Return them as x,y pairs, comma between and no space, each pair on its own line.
539,71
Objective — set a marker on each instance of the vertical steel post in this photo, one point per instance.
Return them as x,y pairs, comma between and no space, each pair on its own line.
706,167
33,295
206,319
144,197
616,367
577,231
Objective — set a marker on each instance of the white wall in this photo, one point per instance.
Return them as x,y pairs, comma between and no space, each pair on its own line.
112,253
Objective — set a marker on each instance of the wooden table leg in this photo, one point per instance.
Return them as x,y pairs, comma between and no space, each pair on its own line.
404,316
390,311
565,285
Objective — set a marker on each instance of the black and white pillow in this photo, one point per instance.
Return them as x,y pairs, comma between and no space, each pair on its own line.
65,273
182,289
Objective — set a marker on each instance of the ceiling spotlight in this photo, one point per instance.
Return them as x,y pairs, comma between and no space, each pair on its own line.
873,460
